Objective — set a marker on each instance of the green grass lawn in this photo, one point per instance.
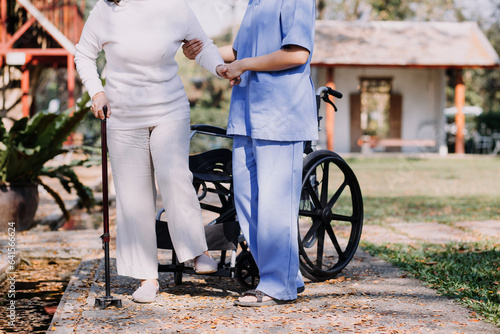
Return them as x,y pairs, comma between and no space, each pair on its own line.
437,190
446,191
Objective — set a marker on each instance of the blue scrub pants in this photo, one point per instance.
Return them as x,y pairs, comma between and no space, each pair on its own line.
267,178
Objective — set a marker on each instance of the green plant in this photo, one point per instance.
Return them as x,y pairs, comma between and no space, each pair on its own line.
31,143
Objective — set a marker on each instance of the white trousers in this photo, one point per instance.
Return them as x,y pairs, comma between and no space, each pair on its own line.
267,177
136,156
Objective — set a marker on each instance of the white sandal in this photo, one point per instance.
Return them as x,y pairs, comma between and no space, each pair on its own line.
146,293
204,264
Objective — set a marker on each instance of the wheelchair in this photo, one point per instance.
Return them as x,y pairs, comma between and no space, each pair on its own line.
330,212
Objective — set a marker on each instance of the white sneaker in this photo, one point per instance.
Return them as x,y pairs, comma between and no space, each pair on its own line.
204,264
146,293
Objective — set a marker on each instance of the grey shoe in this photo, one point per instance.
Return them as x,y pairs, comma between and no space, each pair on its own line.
146,293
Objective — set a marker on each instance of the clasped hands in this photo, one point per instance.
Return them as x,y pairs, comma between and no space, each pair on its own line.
231,71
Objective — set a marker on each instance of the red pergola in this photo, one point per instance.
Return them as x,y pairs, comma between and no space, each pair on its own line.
62,20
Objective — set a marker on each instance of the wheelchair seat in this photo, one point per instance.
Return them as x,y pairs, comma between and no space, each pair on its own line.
212,166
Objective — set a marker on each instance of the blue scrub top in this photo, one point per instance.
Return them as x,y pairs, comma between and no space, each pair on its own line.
277,105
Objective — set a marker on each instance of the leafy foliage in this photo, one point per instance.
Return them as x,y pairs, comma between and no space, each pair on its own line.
383,10
393,10
69,180
30,143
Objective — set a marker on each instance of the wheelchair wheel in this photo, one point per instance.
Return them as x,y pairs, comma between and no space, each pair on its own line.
330,216
247,272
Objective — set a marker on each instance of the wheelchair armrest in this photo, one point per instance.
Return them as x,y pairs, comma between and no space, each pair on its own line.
208,129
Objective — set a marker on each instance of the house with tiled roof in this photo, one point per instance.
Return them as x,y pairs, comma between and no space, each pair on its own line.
393,77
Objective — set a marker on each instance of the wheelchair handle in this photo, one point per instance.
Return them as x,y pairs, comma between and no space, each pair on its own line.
210,130
323,93
329,91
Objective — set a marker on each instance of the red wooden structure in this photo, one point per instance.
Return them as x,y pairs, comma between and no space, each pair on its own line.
36,32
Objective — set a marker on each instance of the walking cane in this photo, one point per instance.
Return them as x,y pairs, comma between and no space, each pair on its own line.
103,302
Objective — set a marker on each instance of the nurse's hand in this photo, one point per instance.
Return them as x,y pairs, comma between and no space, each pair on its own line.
192,48
222,72
234,71
235,81
100,100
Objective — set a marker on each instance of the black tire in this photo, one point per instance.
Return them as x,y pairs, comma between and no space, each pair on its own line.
247,272
330,216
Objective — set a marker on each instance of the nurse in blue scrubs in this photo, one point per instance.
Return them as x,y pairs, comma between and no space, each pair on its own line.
272,113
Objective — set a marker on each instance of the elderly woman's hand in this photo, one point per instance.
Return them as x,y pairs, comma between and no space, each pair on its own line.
100,100
192,48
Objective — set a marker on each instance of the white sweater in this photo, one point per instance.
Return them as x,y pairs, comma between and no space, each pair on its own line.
140,39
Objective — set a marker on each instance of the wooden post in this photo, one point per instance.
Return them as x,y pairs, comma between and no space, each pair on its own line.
71,81
459,116
25,88
330,113
3,15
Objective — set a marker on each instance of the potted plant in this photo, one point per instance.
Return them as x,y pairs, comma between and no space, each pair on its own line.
24,150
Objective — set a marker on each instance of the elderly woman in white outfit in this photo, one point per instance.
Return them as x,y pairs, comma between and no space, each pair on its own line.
148,127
